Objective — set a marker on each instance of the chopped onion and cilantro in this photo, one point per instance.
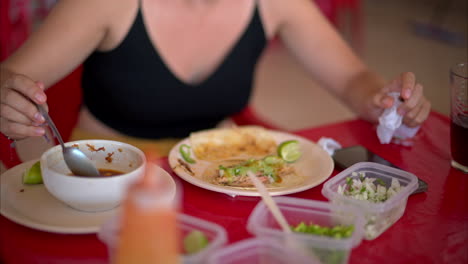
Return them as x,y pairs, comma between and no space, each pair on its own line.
327,255
269,169
338,232
368,189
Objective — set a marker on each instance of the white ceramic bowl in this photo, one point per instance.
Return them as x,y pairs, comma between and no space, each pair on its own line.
93,194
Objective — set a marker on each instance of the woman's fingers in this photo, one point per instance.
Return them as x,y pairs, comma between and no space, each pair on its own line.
26,87
13,115
418,114
14,101
17,130
415,107
383,100
19,115
404,84
414,100
408,85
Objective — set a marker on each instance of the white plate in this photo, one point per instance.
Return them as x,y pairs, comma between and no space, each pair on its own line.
34,207
315,164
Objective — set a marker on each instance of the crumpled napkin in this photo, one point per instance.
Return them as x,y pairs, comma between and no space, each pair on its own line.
390,124
329,145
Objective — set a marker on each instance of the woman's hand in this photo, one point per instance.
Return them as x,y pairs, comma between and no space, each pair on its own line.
19,117
415,107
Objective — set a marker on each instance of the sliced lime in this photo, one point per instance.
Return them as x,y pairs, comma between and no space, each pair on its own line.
289,151
195,241
33,175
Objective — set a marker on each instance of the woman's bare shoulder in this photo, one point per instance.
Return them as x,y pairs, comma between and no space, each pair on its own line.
77,28
96,10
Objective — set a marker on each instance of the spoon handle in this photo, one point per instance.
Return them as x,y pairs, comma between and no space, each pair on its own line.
270,203
51,124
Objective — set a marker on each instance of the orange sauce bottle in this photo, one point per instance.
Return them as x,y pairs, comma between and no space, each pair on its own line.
149,232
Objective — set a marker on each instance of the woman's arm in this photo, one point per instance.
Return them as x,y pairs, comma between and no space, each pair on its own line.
328,58
69,34
71,31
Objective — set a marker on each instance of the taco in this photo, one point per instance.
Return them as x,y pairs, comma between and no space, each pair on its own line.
271,171
230,143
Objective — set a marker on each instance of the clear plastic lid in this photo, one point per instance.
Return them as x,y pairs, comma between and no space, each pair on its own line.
408,182
215,234
296,210
258,250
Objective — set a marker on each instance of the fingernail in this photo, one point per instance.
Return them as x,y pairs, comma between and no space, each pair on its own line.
40,97
406,93
39,131
40,84
38,117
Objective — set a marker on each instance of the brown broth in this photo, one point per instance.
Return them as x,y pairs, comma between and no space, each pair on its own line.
109,172
105,173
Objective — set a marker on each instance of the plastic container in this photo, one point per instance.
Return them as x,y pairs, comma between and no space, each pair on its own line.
378,216
258,251
326,249
215,233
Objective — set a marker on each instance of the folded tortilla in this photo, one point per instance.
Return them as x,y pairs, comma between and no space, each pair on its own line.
232,143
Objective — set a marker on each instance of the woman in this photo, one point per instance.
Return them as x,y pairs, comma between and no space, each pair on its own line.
163,68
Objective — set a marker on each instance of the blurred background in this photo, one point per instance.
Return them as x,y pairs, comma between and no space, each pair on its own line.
392,36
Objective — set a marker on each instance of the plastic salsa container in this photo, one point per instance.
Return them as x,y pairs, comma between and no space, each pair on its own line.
378,216
258,250
215,234
320,248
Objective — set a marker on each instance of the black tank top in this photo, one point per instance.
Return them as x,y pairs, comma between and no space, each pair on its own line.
131,89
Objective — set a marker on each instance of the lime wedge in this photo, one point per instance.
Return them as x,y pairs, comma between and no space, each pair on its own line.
33,175
195,241
289,151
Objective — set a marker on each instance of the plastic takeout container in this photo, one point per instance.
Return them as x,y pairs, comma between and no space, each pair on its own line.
215,233
326,249
378,216
258,251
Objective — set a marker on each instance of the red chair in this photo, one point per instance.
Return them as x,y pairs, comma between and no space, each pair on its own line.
15,25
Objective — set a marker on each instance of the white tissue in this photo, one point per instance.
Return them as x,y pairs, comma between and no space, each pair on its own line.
404,132
329,145
390,124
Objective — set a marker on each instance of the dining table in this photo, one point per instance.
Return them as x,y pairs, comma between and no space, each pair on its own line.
433,228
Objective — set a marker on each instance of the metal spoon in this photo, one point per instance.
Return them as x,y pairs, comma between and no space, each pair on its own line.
78,163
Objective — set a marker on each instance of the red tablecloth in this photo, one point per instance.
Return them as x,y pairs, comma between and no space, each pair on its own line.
433,229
